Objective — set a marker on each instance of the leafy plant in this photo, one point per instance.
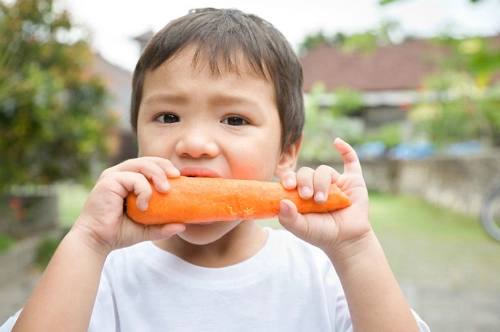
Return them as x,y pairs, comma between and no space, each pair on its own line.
6,242
459,110
53,111
46,250
326,119
389,134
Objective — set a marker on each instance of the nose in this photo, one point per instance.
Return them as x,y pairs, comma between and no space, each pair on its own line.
197,142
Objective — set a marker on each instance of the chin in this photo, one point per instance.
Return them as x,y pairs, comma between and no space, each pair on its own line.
206,233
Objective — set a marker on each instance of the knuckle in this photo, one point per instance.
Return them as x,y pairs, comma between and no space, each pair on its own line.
305,169
323,168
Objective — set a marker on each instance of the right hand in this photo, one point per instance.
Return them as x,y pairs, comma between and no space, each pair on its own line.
103,221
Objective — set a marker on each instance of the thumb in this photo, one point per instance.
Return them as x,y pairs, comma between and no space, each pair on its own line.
158,232
291,220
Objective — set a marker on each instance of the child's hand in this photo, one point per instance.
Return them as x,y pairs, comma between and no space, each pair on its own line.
103,221
329,230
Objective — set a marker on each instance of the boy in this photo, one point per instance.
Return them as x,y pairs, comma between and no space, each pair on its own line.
217,93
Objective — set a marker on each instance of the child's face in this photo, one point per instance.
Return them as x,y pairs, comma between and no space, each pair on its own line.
219,126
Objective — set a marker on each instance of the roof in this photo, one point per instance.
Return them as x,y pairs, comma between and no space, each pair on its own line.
393,67
144,37
118,81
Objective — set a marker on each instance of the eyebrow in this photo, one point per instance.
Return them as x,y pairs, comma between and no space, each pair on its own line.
166,97
229,100
218,99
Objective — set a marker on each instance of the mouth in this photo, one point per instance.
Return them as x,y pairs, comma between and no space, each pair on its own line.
201,172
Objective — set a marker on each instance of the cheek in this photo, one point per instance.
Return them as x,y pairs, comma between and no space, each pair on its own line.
257,163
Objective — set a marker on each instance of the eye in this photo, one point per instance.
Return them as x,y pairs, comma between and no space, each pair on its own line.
168,118
235,121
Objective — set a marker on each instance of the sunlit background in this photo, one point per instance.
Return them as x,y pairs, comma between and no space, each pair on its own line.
115,23
413,85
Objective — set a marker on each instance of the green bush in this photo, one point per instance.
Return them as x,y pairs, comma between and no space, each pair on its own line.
46,250
390,134
6,242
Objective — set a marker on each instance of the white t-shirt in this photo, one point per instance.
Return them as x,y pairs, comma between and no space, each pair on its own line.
288,285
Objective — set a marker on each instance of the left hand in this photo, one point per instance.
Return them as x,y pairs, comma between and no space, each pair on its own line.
335,229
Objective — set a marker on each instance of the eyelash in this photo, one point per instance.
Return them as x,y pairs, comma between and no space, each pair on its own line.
238,118
163,118
172,118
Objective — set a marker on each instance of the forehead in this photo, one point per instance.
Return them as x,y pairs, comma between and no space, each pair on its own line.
185,77
221,62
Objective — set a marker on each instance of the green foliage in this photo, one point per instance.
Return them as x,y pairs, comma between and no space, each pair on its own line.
346,101
365,42
459,110
53,116
319,38
389,134
477,56
46,250
6,242
465,99
326,120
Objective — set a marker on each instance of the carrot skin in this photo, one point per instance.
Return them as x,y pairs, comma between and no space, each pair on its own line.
196,200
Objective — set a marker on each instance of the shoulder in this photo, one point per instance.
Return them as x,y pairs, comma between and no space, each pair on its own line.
128,258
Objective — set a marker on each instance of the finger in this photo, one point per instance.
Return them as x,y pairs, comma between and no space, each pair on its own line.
154,168
323,178
139,185
351,161
305,182
291,220
170,170
288,180
122,183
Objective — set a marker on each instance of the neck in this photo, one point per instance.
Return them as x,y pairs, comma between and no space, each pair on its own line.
239,244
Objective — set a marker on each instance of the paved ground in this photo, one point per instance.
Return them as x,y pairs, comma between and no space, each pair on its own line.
14,294
457,292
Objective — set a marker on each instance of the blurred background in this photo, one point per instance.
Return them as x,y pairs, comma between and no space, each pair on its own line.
413,85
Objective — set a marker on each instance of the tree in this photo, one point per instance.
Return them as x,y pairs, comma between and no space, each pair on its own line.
464,91
53,116
326,113
366,42
465,95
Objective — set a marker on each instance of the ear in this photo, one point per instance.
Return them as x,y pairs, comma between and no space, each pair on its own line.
288,158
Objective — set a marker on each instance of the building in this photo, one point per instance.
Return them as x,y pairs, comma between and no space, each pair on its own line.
118,82
389,78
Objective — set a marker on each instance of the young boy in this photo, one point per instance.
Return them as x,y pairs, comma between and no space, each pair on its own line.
218,93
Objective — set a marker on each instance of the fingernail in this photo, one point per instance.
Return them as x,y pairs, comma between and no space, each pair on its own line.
319,196
289,183
305,191
284,209
165,185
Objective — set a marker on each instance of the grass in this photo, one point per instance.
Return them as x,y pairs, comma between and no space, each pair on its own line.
71,200
410,217
6,242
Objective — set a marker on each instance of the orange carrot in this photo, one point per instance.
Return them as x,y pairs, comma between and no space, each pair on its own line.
212,199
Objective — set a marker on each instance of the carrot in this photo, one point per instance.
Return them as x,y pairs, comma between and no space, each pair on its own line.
214,199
